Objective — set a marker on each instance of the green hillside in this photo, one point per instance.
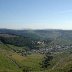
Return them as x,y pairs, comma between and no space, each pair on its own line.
52,52
14,62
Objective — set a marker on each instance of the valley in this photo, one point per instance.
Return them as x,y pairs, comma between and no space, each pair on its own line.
35,50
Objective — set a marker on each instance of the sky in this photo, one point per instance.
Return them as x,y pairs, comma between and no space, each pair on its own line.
36,14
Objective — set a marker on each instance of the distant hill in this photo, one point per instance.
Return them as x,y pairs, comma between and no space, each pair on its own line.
57,36
36,34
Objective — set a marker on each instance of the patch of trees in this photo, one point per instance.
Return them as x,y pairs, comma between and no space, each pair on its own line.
27,69
70,70
19,41
46,61
22,41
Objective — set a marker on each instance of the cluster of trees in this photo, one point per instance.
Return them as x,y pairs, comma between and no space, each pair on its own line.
20,41
70,70
46,61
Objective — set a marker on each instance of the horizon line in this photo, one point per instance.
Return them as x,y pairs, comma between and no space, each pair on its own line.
34,29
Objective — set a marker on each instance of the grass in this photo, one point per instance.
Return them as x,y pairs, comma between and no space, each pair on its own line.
7,65
31,61
62,62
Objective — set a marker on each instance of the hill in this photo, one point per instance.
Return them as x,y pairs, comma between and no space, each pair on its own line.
35,50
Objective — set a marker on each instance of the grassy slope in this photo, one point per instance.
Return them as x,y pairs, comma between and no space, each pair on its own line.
6,64
62,62
13,60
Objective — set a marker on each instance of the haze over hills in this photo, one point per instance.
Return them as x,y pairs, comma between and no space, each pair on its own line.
47,50
27,37
47,33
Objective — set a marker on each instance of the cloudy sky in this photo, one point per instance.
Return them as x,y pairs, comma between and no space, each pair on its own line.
36,14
